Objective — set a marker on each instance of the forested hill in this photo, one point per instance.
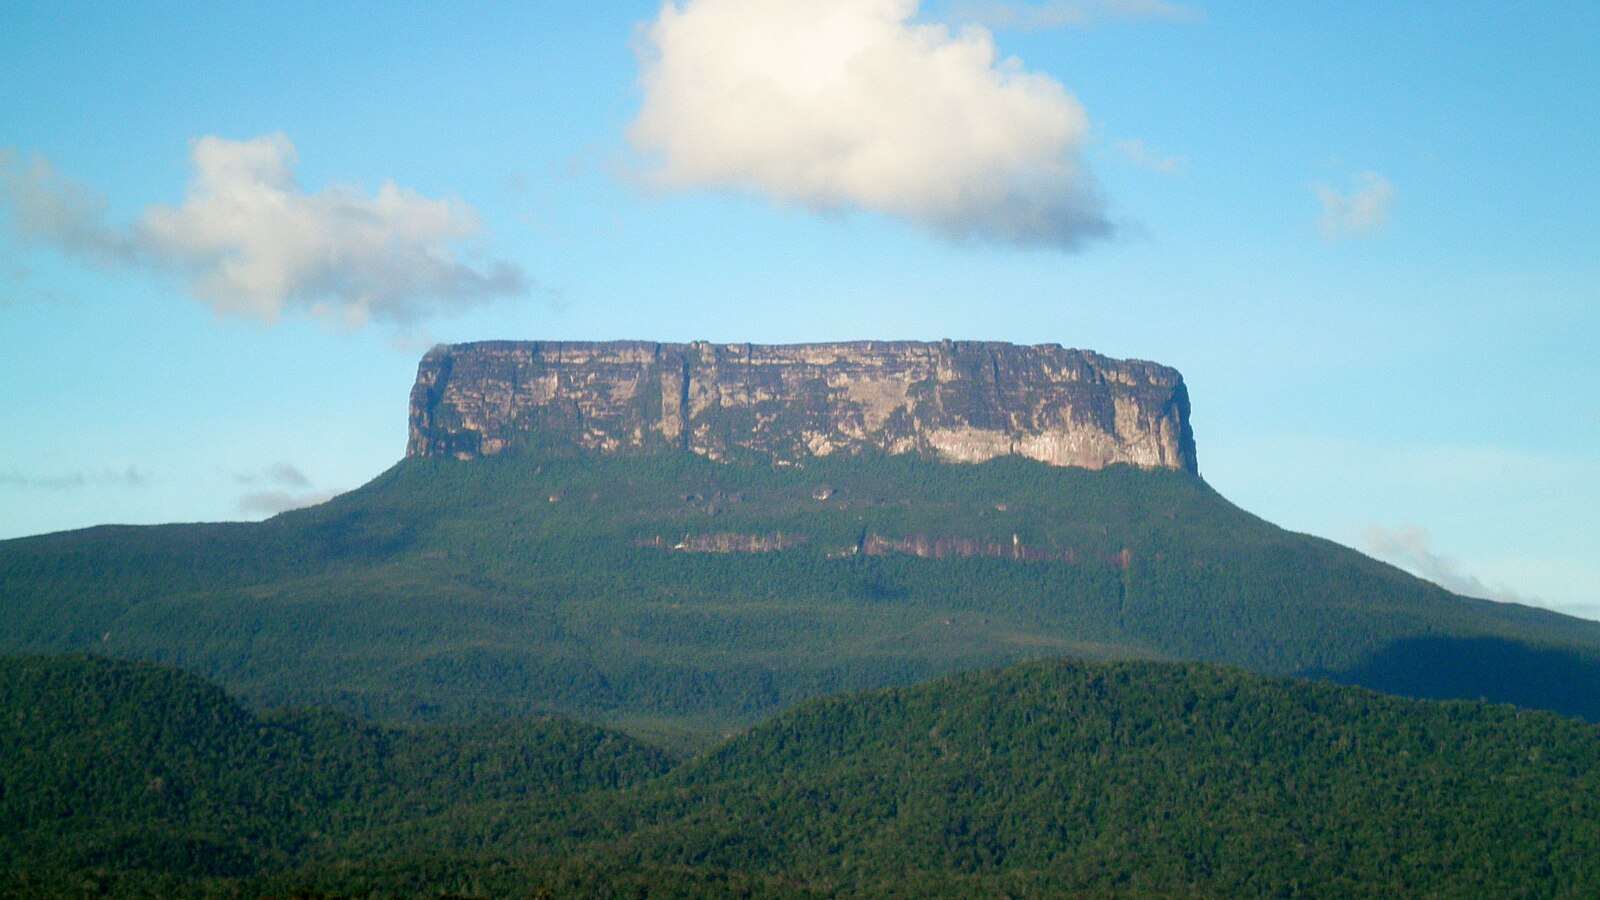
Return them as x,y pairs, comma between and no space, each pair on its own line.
1144,779
1057,778
682,598
112,766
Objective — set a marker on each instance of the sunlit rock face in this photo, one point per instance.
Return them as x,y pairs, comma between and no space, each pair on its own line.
958,401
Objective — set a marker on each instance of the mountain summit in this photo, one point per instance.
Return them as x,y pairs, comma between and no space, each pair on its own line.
955,401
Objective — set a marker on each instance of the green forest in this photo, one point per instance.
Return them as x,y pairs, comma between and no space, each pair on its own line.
548,674
1050,778
543,583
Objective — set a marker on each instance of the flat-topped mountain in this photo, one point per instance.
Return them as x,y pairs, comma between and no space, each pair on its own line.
956,401
607,531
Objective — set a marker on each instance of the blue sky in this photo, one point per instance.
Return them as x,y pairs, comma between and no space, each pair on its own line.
1365,233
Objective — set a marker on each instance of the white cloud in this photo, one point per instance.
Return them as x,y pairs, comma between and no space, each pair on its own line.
1145,157
279,473
291,490
1410,548
50,208
998,14
250,242
285,474
271,503
849,104
129,477
1361,213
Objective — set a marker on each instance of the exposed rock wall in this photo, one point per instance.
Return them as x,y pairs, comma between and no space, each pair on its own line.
958,401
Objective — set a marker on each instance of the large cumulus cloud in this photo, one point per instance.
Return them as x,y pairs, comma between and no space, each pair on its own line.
1067,13
853,104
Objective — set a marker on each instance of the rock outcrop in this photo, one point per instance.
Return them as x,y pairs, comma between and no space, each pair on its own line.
957,401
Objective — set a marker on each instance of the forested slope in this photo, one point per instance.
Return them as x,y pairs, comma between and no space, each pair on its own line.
683,598
1052,778
1143,778
108,766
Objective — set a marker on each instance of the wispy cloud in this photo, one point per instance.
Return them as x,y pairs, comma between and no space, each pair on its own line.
50,208
129,477
851,104
250,242
1145,157
1581,610
1362,212
998,14
285,474
270,503
1410,548
279,473
290,488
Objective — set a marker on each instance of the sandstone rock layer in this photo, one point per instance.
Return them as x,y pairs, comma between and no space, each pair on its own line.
958,401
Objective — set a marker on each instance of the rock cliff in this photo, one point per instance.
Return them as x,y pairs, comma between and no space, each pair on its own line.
958,401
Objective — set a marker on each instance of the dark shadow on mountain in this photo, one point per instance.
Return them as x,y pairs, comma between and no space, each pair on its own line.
1493,669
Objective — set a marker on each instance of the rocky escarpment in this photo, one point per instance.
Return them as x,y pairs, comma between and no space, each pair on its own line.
958,401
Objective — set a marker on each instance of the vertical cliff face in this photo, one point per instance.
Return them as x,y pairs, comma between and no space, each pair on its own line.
955,400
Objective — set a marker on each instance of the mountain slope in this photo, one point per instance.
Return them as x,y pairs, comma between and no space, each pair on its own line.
669,593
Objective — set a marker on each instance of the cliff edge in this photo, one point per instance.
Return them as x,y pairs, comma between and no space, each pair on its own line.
958,401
